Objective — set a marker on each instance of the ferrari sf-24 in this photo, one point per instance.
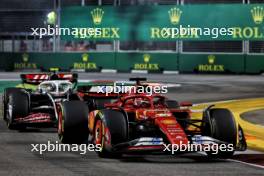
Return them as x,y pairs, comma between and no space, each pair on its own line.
137,122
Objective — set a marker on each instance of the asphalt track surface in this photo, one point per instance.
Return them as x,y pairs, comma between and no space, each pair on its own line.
16,157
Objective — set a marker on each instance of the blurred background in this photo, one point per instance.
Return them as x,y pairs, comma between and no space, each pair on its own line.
18,16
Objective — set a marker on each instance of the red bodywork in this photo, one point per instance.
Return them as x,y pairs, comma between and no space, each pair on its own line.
35,118
155,113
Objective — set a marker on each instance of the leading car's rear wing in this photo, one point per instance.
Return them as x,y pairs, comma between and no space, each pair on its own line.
37,78
101,88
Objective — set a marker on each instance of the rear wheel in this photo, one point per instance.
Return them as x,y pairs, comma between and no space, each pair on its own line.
223,127
113,130
73,122
17,107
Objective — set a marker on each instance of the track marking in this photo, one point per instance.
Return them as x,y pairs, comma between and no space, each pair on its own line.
242,162
216,102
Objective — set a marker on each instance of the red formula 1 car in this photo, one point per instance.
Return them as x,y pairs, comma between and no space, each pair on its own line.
36,103
139,122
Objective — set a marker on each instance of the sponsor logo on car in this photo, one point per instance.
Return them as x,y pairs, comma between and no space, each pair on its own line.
168,122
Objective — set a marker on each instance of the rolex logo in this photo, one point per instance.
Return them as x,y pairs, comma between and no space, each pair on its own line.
146,58
257,14
25,57
175,15
97,15
211,59
85,57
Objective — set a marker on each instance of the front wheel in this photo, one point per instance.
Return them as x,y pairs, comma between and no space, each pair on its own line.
5,96
100,139
110,129
17,106
223,127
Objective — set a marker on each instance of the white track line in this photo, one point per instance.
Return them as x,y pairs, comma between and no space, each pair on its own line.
248,152
214,102
242,162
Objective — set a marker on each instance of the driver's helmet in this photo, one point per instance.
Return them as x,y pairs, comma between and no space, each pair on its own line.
160,102
141,103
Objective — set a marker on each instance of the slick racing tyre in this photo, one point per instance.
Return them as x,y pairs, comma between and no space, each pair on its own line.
110,129
224,128
73,122
6,93
17,106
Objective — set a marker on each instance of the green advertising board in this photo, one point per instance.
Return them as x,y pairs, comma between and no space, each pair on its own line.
153,62
164,22
212,63
254,64
125,62
90,61
65,61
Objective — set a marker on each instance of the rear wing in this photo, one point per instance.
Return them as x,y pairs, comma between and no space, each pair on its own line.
138,80
37,78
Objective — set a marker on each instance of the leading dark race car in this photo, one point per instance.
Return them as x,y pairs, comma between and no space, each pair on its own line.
139,122
24,107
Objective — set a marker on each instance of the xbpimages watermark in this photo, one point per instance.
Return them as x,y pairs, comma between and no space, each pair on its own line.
51,31
210,147
58,147
141,89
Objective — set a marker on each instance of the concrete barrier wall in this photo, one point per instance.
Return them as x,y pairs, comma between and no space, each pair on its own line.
125,62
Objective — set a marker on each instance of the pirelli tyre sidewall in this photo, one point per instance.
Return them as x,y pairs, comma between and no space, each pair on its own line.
73,119
5,95
110,128
224,128
17,106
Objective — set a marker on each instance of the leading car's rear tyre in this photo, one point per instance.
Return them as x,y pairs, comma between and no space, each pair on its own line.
224,128
17,106
110,131
73,119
